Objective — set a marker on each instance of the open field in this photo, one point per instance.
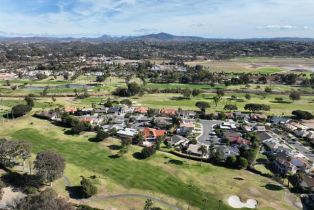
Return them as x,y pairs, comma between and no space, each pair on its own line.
174,101
257,64
178,181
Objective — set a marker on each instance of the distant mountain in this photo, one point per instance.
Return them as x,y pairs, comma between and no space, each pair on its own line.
166,37
159,37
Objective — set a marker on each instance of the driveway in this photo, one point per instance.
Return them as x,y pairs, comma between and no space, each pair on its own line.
207,128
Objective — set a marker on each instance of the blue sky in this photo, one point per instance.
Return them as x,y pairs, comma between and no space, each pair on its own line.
207,18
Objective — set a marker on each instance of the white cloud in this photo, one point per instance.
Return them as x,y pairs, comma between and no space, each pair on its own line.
210,18
281,27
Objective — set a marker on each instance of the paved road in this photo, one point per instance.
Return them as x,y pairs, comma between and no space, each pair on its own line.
207,128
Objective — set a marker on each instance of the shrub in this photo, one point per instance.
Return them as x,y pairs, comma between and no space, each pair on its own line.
87,188
148,151
242,163
20,110
302,115
101,135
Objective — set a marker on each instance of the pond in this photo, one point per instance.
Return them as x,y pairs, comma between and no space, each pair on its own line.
67,86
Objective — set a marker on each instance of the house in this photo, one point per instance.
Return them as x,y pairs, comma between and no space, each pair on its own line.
186,114
70,110
222,152
110,127
91,120
142,118
300,133
114,110
168,112
228,125
284,163
101,111
310,136
260,128
193,149
306,182
281,164
151,134
141,110
185,128
127,133
235,138
279,120
162,122
299,126
290,127
240,115
271,144
258,117
177,140
84,111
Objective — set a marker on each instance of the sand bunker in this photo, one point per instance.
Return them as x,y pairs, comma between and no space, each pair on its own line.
235,202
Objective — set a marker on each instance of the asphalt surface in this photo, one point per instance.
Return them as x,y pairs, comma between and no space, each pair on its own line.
207,128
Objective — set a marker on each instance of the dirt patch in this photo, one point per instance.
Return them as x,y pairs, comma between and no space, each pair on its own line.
9,196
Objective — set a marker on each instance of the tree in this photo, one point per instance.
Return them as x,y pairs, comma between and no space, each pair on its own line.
47,199
29,101
268,89
216,100
203,150
202,105
101,135
87,188
186,93
195,92
294,96
2,185
231,161
148,151
49,166
220,93
230,107
101,78
279,99
138,139
20,110
248,96
12,151
257,107
45,91
126,102
66,76
302,115
148,204
242,163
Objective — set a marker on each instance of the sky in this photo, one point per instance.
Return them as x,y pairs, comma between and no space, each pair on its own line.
206,18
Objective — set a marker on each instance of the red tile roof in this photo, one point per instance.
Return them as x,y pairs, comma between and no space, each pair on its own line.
149,132
168,111
141,109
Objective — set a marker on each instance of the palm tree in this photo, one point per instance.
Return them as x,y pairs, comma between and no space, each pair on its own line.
203,149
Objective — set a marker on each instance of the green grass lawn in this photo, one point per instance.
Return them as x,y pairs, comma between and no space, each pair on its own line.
174,101
131,174
268,70
200,186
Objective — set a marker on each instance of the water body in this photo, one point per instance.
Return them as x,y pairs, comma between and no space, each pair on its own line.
67,86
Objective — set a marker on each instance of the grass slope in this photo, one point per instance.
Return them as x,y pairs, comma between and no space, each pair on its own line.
131,174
